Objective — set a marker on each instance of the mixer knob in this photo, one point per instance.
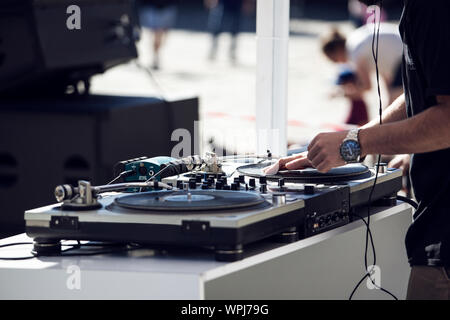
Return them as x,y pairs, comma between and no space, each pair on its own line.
252,182
263,188
382,168
279,199
198,177
192,184
281,182
226,187
237,180
205,186
235,186
219,185
242,179
179,184
262,180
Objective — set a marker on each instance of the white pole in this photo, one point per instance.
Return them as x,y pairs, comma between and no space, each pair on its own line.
272,31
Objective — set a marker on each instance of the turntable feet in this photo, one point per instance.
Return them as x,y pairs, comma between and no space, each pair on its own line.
288,236
229,253
46,247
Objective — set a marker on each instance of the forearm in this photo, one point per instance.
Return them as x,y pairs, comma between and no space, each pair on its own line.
425,132
395,112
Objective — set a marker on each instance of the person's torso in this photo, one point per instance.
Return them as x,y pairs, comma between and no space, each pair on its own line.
159,4
359,48
430,172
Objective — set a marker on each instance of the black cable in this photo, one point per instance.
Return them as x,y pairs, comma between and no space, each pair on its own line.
122,174
16,258
367,273
375,51
125,248
409,201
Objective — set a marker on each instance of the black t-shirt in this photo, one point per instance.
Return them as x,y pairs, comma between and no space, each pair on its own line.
425,29
158,3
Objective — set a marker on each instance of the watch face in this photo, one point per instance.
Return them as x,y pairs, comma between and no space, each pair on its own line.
350,150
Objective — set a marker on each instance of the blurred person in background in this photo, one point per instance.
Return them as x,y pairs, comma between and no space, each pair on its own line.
159,16
356,50
347,82
221,11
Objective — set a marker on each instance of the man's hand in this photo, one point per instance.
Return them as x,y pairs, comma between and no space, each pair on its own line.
294,162
324,151
401,162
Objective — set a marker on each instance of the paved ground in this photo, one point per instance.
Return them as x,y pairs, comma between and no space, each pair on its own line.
227,91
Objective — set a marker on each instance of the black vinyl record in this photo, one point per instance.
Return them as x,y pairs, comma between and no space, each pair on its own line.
194,200
309,175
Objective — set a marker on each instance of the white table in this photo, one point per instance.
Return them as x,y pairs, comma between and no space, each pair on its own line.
326,266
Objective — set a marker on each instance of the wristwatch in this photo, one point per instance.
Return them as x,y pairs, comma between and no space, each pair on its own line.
350,148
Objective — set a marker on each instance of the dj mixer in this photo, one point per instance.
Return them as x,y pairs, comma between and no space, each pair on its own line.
223,204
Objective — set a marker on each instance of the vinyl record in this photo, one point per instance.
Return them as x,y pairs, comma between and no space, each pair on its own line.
194,200
309,175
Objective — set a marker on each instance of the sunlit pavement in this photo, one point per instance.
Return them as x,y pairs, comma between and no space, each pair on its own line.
227,89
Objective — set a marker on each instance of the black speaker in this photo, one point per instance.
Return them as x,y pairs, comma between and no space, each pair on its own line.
40,54
50,141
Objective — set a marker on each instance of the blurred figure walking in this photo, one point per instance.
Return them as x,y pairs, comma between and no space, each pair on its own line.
220,12
159,16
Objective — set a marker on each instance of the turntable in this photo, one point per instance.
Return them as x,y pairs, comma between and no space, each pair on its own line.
224,211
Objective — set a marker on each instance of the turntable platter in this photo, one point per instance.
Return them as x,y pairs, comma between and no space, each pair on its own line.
194,200
309,175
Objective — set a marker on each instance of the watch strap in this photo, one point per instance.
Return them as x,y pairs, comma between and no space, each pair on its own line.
353,135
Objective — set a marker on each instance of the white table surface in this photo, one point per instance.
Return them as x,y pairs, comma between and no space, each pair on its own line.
144,274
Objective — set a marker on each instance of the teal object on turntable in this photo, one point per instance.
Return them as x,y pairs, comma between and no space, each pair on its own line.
144,168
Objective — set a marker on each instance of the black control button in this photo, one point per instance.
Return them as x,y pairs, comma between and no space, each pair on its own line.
281,182
310,189
335,217
219,185
235,186
192,184
242,179
198,177
205,186
263,188
252,182
226,187
180,184
262,180
321,222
